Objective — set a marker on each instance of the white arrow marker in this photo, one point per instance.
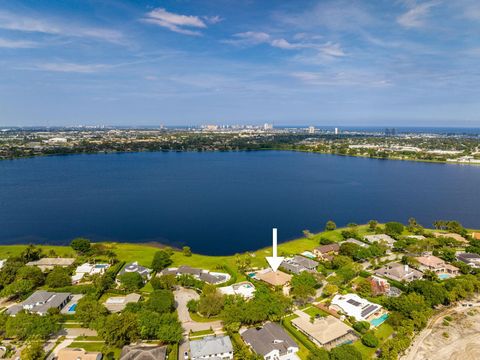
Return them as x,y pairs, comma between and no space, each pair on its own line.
274,261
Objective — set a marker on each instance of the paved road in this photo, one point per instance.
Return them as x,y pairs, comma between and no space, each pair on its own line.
182,297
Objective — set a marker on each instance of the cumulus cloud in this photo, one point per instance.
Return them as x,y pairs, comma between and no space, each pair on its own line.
416,15
182,24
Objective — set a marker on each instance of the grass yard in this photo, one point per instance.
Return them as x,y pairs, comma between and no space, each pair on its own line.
314,311
197,335
383,332
199,318
96,346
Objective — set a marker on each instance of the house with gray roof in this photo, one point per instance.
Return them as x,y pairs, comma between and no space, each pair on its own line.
271,341
143,352
211,347
470,259
135,267
40,302
298,264
399,272
207,276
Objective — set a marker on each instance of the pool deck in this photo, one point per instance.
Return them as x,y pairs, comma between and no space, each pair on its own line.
73,301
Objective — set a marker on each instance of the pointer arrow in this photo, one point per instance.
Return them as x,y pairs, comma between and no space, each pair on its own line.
274,261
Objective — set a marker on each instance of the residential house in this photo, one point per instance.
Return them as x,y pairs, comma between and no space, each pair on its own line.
217,347
298,264
326,252
45,264
143,352
355,241
245,289
136,268
353,305
399,272
213,278
273,278
40,302
2,263
476,235
437,265
380,238
116,304
78,354
470,259
326,331
88,269
454,236
380,286
271,341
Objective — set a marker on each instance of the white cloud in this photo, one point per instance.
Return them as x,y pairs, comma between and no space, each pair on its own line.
179,23
252,38
71,67
16,22
17,44
415,17
249,38
341,78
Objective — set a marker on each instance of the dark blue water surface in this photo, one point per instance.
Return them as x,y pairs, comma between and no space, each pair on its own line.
221,203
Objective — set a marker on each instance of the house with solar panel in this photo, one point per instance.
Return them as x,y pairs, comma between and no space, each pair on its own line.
359,308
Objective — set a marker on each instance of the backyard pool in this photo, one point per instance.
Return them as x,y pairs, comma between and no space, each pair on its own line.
379,321
72,308
443,276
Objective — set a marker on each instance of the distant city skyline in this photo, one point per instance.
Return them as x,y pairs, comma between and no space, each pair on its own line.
334,63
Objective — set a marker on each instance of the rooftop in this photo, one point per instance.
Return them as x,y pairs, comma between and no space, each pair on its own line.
268,338
324,330
143,352
210,345
275,278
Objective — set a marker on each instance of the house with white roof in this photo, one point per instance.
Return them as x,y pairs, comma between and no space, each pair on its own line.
245,289
88,269
216,347
380,238
355,306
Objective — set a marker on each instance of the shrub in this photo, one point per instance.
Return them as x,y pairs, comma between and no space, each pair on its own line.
370,340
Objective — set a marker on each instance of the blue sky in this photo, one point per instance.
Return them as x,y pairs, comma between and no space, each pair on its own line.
187,62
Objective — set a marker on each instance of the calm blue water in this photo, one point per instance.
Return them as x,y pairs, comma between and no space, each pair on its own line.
221,203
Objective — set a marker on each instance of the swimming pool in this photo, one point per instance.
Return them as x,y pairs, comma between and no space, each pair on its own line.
251,275
379,321
72,308
443,276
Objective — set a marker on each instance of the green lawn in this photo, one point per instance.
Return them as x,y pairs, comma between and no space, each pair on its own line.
199,334
199,318
383,332
96,346
314,311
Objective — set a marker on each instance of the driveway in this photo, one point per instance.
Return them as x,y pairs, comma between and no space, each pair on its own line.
182,297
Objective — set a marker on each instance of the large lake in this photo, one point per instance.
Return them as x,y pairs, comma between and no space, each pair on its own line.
221,203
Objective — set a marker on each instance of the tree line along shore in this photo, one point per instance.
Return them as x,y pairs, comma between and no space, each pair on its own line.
322,276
